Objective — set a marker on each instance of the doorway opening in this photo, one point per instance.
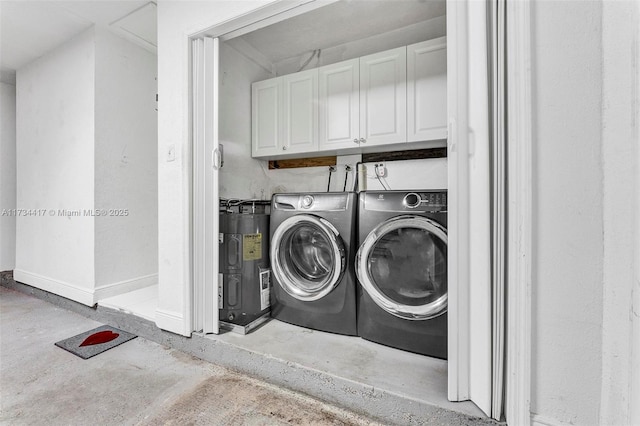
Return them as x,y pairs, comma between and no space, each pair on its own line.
235,63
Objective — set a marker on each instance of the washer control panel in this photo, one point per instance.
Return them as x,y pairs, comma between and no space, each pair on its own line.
317,201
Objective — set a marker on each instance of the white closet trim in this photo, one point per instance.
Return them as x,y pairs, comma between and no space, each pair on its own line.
205,206
497,25
519,278
458,205
470,365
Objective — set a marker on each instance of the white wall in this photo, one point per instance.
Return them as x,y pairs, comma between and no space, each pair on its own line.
409,174
241,176
176,21
620,36
634,376
55,169
586,367
7,175
87,141
126,177
568,229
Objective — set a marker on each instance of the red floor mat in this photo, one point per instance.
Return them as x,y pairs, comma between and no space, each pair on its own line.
93,342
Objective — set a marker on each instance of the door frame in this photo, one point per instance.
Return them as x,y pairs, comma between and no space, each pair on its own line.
519,174
206,162
519,181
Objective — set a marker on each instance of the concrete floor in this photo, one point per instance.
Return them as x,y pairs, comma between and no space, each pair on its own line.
138,382
362,367
163,378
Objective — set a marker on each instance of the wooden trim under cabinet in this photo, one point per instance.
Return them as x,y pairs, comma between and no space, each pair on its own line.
415,154
302,162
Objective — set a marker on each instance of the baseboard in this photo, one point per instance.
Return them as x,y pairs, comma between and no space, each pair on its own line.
61,288
170,321
108,290
538,420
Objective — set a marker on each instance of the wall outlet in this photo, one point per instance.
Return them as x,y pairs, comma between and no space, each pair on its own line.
381,170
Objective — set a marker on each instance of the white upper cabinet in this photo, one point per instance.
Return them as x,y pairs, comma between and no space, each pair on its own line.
266,131
378,101
383,97
285,115
427,90
339,104
300,112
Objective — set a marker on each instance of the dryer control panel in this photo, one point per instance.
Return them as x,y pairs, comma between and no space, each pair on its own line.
405,201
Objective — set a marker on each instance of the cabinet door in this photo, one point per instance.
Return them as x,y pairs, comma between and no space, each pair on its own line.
300,112
339,104
266,122
383,97
427,90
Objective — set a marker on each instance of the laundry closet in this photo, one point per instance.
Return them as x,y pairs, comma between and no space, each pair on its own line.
316,91
266,121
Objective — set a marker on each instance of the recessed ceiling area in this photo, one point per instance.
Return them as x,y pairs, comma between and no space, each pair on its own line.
341,23
30,29
140,24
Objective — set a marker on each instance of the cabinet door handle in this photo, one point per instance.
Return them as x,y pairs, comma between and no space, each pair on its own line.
363,140
284,148
355,140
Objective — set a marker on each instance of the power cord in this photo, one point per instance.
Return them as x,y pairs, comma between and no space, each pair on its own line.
355,178
381,172
347,169
331,170
382,183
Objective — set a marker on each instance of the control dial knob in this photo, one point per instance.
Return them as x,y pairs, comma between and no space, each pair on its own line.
307,201
412,200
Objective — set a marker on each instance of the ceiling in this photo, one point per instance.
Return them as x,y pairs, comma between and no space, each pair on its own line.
331,25
30,29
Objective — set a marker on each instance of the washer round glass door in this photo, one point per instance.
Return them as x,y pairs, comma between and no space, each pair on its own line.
307,257
402,265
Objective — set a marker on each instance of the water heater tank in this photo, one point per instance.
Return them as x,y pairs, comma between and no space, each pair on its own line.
244,282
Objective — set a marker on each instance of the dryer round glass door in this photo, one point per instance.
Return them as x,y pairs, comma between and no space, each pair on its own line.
402,265
307,257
